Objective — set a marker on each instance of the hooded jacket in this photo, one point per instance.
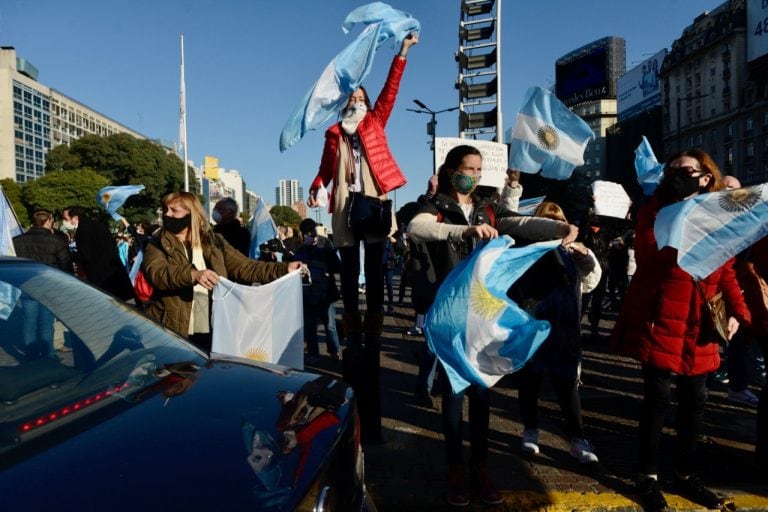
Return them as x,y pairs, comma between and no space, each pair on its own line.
662,319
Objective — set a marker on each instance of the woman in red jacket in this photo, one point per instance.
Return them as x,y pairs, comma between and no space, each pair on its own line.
356,158
662,325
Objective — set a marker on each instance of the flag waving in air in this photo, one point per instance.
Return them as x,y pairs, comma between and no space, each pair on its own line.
547,137
649,170
709,229
262,228
112,198
346,72
478,333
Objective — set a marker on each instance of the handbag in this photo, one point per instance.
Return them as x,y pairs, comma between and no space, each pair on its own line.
142,288
369,215
755,294
717,319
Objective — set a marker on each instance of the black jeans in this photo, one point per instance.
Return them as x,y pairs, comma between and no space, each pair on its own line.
761,446
691,395
567,396
374,277
479,418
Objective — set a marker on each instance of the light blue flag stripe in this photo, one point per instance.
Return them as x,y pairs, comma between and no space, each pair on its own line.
347,71
262,228
474,329
113,197
9,226
709,229
649,170
547,137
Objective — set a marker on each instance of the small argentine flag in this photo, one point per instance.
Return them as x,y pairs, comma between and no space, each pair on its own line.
547,137
649,170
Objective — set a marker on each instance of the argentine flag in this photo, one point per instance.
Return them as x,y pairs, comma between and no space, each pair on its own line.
547,137
9,226
476,331
112,198
263,323
649,170
709,229
346,72
262,228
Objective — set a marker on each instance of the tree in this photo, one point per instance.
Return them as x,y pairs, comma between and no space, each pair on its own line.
59,189
286,216
13,193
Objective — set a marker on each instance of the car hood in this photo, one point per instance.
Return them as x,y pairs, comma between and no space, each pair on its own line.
233,435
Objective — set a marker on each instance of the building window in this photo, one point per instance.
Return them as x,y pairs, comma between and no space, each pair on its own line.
750,150
750,124
729,156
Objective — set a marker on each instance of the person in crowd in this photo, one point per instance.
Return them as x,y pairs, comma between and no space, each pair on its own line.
228,225
323,264
40,244
663,324
356,158
96,254
123,250
512,191
555,284
447,228
329,319
184,264
596,238
390,261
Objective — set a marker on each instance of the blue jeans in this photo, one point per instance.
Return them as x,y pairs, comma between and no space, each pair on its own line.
479,417
37,327
331,335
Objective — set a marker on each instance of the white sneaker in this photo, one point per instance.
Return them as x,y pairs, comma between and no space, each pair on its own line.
530,441
744,396
581,449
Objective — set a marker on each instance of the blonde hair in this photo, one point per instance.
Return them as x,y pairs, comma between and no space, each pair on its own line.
199,230
550,210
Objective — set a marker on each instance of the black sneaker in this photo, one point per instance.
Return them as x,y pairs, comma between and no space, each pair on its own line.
693,488
651,496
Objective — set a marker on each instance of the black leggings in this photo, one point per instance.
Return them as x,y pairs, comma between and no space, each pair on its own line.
374,277
691,395
567,396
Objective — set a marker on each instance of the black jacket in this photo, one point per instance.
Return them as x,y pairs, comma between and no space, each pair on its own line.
40,244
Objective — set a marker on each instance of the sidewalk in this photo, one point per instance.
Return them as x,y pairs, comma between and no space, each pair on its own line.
407,471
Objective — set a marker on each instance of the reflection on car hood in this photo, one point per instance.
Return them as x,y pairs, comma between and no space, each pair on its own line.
231,436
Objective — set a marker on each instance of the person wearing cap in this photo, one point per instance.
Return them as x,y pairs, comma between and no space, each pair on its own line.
320,291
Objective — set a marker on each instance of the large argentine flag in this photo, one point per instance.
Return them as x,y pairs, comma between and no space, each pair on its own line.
263,323
113,197
649,170
262,228
709,229
478,333
346,72
547,137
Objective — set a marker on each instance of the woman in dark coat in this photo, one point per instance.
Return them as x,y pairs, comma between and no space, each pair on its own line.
662,324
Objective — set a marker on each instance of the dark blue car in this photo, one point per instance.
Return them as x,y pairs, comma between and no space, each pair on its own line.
103,409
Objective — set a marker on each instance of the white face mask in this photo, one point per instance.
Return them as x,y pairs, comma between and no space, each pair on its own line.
216,216
68,226
352,116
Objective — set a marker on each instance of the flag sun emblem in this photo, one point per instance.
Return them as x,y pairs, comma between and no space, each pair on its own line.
483,303
740,199
256,354
548,138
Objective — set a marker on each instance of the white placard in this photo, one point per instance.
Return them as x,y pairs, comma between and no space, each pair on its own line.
495,158
611,200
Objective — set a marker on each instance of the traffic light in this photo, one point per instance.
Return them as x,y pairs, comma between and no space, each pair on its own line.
477,120
431,127
477,7
475,91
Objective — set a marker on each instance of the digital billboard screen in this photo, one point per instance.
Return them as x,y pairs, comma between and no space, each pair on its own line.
583,78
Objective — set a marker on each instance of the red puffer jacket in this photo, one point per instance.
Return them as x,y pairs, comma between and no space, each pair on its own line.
661,319
385,170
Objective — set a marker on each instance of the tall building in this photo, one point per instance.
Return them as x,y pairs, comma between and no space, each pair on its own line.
35,118
288,192
714,96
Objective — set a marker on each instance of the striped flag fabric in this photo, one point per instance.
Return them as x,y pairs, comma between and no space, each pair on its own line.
9,226
476,331
113,197
547,137
347,71
263,228
709,229
649,170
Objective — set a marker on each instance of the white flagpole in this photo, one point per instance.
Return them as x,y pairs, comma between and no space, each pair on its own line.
183,119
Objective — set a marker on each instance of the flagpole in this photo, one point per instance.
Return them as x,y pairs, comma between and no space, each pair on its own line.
183,120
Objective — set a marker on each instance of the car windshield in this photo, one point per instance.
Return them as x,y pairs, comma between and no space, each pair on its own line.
67,349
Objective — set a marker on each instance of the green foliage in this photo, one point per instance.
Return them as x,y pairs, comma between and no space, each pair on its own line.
13,193
285,215
125,160
60,189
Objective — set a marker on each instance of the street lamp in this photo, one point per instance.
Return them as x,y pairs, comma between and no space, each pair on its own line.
680,99
430,125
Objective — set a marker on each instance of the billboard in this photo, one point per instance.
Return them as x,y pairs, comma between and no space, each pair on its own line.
640,88
589,73
495,158
757,29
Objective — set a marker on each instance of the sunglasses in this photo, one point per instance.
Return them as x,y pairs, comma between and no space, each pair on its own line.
687,169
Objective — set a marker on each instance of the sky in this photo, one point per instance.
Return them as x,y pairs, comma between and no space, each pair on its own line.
248,63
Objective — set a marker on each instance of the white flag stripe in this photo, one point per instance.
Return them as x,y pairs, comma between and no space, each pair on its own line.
527,129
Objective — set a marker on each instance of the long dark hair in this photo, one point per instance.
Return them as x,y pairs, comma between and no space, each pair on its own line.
452,162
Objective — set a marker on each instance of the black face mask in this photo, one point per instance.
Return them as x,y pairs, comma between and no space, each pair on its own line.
682,186
176,226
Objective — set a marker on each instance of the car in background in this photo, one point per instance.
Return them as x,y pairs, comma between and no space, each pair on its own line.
104,409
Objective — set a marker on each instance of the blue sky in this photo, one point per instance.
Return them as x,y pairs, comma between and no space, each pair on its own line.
249,62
